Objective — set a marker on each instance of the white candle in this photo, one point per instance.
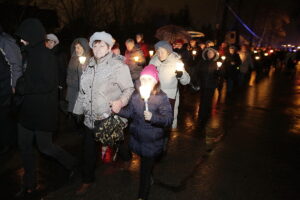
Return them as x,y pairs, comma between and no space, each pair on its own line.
179,66
82,59
151,52
223,57
219,64
145,91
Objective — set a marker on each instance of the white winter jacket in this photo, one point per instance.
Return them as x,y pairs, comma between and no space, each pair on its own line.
167,75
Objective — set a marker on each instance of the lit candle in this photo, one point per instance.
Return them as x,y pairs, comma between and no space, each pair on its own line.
179,66
223,57
255,51
145,91
257,57
151,52
266,54
194,52
82,59
271,51
136,58
219,64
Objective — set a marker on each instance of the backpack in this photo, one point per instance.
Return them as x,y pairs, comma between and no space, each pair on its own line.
5,81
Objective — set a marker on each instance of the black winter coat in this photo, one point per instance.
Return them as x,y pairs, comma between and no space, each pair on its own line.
147,138
231,64
39,82
208,73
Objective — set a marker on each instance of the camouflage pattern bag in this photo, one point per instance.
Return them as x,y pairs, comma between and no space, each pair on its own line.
109,131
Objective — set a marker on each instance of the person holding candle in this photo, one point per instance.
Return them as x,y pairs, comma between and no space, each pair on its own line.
134,58
167,62
151,112
80,51
208,73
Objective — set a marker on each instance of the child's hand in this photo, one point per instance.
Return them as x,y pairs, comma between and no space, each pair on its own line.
147,115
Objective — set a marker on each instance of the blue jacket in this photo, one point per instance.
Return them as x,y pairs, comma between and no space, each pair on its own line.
147,137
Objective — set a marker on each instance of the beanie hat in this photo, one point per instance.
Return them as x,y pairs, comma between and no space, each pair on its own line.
52,37
103,36
151,71
164,44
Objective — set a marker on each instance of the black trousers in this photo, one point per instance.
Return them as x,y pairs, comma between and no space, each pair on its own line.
147,164
206,96
90,154
44,143
7,130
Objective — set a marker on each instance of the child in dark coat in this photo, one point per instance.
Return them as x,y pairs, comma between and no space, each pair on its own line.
150,116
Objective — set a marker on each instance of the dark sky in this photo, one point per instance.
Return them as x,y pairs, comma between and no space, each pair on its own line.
210,11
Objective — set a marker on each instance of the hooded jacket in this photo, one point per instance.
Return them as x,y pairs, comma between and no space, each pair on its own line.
105,80
39,82
75,70
167,76
207,70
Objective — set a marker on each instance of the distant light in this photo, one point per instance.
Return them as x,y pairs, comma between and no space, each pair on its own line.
271,51
219,64
257,57
255,51
82,59
151,52
266,54
194,52
223,57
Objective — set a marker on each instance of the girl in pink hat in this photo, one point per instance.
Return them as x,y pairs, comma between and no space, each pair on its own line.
150,113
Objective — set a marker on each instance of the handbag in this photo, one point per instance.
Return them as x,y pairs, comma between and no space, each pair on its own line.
109,131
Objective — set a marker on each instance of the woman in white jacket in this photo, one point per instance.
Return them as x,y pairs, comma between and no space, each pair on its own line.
166,61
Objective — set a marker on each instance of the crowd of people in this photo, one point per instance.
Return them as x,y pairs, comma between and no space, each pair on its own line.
99,83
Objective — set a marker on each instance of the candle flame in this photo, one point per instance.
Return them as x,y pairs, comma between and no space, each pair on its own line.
145,91
82,59
219,64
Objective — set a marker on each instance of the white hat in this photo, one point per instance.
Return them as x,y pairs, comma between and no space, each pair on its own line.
53,37
103,36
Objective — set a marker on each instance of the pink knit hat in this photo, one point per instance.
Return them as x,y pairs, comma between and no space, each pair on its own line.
151,71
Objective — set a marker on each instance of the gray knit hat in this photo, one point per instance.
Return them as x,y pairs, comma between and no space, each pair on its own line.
164,44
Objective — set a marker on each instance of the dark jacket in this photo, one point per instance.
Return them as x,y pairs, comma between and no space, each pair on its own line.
39,82
231,65
135,67
147,138
5,81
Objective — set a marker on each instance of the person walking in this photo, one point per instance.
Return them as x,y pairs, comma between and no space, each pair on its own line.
166,62
208,73
105,87
147,125
11,70
79,50
38,111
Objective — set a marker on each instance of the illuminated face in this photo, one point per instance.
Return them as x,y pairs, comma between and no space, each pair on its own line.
231,51
162,54
100,49
193,43
147,80
79,50
210,54
129,45
138,38
50,44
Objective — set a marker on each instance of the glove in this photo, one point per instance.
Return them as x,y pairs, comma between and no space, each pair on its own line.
147,115
178,74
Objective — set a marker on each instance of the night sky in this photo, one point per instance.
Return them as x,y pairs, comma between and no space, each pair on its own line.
205,12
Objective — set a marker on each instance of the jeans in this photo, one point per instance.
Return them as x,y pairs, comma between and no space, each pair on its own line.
44,143
147,164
